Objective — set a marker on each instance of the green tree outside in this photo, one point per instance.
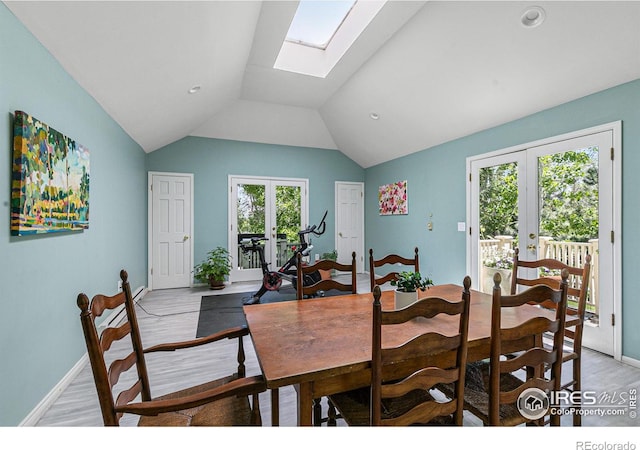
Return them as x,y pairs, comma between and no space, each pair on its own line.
568,187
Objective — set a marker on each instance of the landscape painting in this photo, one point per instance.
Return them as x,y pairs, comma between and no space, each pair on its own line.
50,179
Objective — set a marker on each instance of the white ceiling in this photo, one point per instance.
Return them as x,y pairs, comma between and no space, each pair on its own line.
433,71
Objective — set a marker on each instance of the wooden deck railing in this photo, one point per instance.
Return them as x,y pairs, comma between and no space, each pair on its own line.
571,253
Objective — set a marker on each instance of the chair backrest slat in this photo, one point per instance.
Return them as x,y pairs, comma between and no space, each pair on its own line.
309,281
106,377
392,259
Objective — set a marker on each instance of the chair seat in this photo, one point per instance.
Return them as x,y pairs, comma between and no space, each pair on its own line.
476,393
225,412
354,406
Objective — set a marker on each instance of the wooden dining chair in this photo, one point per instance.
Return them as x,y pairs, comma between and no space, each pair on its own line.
492,389
115,349
403,376
315,284
394,260
312,287
578,285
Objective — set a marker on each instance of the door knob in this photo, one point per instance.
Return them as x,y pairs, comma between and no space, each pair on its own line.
185,238
340,234
532,235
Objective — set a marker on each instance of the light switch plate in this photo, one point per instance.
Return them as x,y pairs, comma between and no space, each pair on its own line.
462,226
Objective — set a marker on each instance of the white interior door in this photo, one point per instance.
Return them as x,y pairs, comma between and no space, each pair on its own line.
350,222
275,208
552,199
171,221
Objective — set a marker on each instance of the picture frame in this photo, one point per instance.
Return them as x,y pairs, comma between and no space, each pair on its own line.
392,198
50,179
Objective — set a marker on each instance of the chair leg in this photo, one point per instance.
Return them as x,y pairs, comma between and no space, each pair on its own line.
317,412
275,407
332,414
577,416
256,417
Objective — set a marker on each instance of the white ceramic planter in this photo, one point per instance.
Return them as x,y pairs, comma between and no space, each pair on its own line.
404,299
487,279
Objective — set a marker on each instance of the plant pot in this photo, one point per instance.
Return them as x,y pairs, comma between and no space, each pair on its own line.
487,279
404,299
216,284
325,274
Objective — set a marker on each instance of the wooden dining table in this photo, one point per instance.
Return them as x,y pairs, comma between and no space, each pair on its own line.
322,345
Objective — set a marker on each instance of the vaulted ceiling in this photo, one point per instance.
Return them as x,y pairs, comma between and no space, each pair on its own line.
432,71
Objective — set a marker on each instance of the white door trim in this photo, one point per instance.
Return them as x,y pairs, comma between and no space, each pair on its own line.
150,176
616,129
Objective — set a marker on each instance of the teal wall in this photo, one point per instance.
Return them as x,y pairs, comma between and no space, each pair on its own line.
437,185
40,334
213,160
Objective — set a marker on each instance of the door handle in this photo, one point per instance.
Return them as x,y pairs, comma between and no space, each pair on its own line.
340,234
185,238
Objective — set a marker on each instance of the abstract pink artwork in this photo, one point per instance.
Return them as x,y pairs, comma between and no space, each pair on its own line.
392,198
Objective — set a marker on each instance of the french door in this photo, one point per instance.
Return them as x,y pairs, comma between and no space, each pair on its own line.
275,208
551,199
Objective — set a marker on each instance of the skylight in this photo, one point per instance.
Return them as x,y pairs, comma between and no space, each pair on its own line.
316,22
321,32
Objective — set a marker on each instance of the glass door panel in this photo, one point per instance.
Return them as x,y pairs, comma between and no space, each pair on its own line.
288,221
250,202
495,227
498,223
568,222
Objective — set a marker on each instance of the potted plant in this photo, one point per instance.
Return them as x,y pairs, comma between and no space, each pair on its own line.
214,268
501,262
407,285
333,256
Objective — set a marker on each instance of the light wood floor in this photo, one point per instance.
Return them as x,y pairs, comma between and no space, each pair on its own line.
172,315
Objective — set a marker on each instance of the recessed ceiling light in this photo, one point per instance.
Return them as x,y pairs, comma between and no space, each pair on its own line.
194,89
532,17
374,116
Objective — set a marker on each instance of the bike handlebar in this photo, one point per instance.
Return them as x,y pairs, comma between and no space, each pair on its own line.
254,241
320,228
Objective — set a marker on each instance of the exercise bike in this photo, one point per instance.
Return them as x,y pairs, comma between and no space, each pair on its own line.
272,280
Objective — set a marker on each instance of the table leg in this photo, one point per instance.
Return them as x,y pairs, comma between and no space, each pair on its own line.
305,404
275,407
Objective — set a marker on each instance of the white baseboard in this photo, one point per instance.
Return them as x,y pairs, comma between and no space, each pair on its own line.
41,408
631,361
34,416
